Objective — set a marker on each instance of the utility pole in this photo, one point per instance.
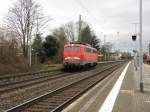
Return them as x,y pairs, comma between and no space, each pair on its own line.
80,25
117,42
149,48
105,56
141,49
104,39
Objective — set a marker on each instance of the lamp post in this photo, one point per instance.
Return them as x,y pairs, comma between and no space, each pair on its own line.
141,49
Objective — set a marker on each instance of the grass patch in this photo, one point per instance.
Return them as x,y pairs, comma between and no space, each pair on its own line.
52,67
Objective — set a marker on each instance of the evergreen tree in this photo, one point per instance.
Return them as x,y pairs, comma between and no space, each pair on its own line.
88,37
37,44
50,46
37,47
95,42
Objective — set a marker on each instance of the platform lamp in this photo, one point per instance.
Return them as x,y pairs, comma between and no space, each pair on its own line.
140,48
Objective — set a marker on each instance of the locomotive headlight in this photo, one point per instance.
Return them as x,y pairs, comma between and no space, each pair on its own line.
78,58
67,58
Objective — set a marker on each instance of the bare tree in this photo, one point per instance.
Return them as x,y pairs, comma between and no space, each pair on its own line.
69,30
72,30
24,18
41,22
61,36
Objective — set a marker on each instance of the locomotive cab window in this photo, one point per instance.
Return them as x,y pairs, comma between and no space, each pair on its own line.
76,49
68,49
88,50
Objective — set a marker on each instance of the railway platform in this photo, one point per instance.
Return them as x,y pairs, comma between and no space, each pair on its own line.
130,99
117,93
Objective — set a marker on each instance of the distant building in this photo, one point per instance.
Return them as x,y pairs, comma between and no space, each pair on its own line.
115,56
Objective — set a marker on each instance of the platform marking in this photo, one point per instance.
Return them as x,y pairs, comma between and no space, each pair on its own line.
110,100
89,103
131,92
147,101
72,105
91,100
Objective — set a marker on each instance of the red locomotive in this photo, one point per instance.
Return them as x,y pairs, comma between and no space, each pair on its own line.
79,55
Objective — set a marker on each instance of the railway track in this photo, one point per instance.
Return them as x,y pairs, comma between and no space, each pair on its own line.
12,78
8,78
5,88
58,99
37,79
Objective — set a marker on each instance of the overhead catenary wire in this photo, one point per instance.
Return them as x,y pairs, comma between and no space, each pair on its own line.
83,7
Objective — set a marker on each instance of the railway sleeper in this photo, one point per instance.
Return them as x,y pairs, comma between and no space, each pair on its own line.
36,110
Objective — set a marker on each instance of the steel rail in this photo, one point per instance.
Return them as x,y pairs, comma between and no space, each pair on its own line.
6,76
35,100
25,83
43,71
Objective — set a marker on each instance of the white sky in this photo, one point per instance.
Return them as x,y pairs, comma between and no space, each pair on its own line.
105,17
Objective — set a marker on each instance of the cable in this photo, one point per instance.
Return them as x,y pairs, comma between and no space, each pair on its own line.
82,6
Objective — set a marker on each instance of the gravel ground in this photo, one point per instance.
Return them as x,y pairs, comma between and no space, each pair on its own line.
21,95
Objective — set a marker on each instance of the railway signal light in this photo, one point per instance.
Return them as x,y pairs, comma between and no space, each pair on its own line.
134,37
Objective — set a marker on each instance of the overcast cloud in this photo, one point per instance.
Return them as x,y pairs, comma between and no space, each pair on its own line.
105,17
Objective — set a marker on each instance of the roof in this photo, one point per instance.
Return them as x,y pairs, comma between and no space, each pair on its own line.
80,43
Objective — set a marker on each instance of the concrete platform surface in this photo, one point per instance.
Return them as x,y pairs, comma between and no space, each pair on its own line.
123,98
94,98
130,99
142,100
